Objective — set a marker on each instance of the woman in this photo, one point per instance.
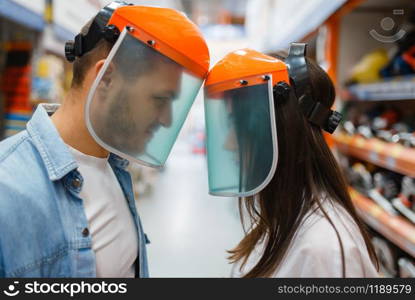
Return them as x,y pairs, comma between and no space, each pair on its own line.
301,220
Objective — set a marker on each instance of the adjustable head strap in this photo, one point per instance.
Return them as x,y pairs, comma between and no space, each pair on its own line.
315,111
98,30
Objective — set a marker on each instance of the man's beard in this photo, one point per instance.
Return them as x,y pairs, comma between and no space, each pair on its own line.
119,129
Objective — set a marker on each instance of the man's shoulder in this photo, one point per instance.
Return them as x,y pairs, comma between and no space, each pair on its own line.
12,145
20,163
25,188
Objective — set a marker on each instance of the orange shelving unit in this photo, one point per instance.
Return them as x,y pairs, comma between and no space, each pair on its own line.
341,42
396,228
394,157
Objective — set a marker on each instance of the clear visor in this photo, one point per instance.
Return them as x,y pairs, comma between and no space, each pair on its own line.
241,139
139,101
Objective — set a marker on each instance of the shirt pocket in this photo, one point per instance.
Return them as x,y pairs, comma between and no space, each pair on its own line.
55,265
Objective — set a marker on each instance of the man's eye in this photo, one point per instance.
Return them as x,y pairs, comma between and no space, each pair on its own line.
162,98
161,101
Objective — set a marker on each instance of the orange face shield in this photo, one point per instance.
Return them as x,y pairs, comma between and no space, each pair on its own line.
241,139
240,91
147,84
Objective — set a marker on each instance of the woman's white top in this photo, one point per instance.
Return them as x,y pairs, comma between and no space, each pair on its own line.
315,249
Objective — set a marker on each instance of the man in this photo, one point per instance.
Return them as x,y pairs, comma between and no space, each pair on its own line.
66,200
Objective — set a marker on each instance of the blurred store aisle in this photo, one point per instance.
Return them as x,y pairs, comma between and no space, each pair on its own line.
189,230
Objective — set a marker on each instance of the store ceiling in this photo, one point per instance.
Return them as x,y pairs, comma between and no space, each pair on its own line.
387,4
215,11
200,11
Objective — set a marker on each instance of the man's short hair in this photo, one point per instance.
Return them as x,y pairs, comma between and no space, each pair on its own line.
82,64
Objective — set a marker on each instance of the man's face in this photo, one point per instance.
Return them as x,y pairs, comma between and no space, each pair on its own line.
135,110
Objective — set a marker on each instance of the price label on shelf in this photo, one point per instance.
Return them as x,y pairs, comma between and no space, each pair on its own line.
375,211
343,138
378,146
411,247
395,151
391,162
360,142
373,156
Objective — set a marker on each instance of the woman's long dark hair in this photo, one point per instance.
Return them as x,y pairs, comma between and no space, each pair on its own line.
306,170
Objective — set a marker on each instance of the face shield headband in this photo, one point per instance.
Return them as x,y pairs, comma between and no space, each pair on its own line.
97,31
314,111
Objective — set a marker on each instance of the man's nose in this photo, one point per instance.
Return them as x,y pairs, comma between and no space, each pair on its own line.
165,117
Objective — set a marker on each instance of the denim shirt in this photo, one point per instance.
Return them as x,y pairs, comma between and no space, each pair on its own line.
42,218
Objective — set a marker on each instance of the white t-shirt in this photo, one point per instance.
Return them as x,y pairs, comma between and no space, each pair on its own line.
111,224
315,249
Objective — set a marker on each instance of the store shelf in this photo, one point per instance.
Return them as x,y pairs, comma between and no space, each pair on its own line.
394,157
395,228
399,88
19,13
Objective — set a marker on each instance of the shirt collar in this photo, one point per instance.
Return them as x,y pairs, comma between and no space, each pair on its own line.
117,161
56,156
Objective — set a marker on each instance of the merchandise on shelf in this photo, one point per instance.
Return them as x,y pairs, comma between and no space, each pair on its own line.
2,97
387,187
16,121
406,268
405,202
368,68
388,183
409,57
376,143
403,61
397,67
16,86
47,84
392,261
396,229
360,178
144,179
385,123
387,256
379,185
407,139
385,75
391,191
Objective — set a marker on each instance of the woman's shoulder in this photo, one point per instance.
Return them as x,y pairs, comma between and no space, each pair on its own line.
319,242
315,250
317,227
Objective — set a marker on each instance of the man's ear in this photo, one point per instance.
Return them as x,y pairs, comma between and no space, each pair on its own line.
98,66
107,78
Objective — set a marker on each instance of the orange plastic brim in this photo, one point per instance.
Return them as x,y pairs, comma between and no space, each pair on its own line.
175,36
248,65
220,87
